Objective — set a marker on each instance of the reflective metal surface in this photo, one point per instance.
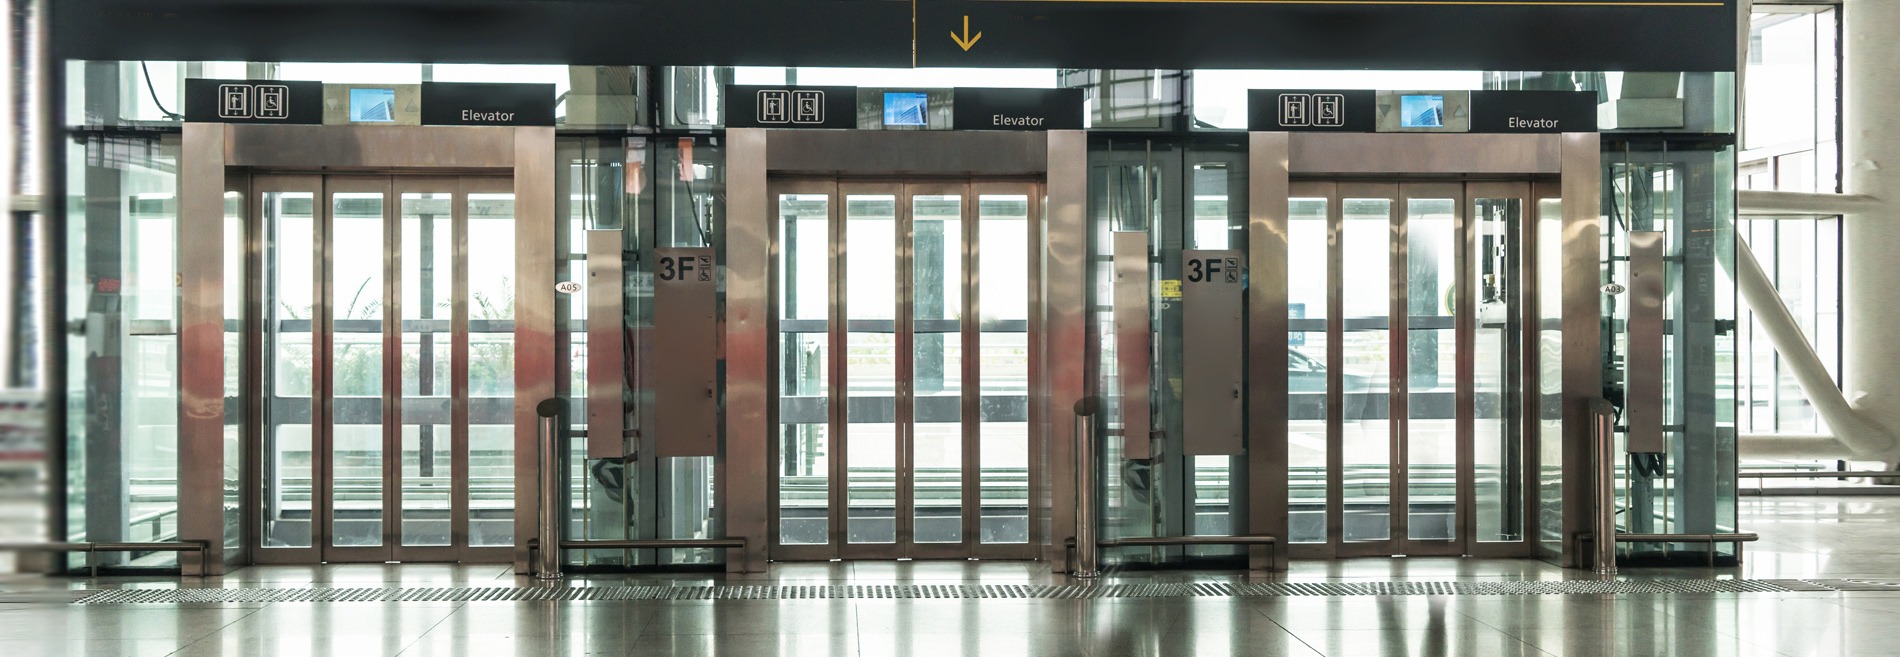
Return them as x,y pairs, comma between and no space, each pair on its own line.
534,312
749,419
607,362
1582,369
1643,394
1399,154
1212,378
685,323
1134,333
1065,331
1267,321
201,371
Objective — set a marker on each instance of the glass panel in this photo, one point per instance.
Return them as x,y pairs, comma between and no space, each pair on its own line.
1432,369
1550,356
288,308
427,254
870,301
1211,227
937,368
356,301
1307,288
804,364
1498,449
235,411
1003,366
1366,433
491,369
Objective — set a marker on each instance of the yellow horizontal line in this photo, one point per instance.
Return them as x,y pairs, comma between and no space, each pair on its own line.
1505,3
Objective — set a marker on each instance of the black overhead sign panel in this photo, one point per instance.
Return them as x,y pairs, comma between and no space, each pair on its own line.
279,102
1497,35
466,103
1016,109
791,106
1506,35
1348,110
581,32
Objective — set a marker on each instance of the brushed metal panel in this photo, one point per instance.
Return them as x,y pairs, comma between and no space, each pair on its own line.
1643,363
1402,154
1581,183
685,329
535,355
1065,297
741,487
1211,364
1267,193
1134,338
606,347
901,153
201,344
312,147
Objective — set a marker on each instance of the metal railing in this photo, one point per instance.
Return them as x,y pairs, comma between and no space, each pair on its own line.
1084,541
203,548
547,562
1603,442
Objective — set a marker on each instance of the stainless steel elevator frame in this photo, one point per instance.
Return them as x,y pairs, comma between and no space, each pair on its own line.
1568,166
1058,325
214,153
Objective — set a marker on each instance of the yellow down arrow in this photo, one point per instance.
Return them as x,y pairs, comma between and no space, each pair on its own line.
966,40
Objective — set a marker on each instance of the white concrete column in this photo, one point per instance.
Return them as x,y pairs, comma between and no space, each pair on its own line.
1870,289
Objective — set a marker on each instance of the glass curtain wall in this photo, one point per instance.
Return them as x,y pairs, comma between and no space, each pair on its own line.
1686,195
122,387
1791,142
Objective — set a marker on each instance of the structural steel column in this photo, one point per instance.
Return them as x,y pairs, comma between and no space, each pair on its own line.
740,484
1065,295
1582,328
1870,166
534,318
1267,189
201,354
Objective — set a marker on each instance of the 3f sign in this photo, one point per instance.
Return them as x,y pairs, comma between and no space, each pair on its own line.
1213,270
681,268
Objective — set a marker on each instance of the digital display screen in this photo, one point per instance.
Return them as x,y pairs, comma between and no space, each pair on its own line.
905,107
1422,111
372,105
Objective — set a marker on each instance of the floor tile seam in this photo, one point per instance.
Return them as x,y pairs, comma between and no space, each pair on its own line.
1290,633
425,633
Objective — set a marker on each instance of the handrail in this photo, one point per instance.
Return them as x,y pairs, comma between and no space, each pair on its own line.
734,542
202,547
1737,538
1272,542
1819,474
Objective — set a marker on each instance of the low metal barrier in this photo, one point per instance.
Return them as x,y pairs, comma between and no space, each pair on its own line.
203,548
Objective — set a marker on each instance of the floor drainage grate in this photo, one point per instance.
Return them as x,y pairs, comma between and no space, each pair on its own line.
977,591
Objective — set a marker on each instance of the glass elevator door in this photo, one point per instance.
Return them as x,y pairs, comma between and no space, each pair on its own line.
387,426
904,367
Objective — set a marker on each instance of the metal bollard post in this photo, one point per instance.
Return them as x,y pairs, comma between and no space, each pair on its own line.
1603,429
1085,467
549,566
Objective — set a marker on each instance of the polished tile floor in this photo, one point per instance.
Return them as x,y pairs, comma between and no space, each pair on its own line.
1803,537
